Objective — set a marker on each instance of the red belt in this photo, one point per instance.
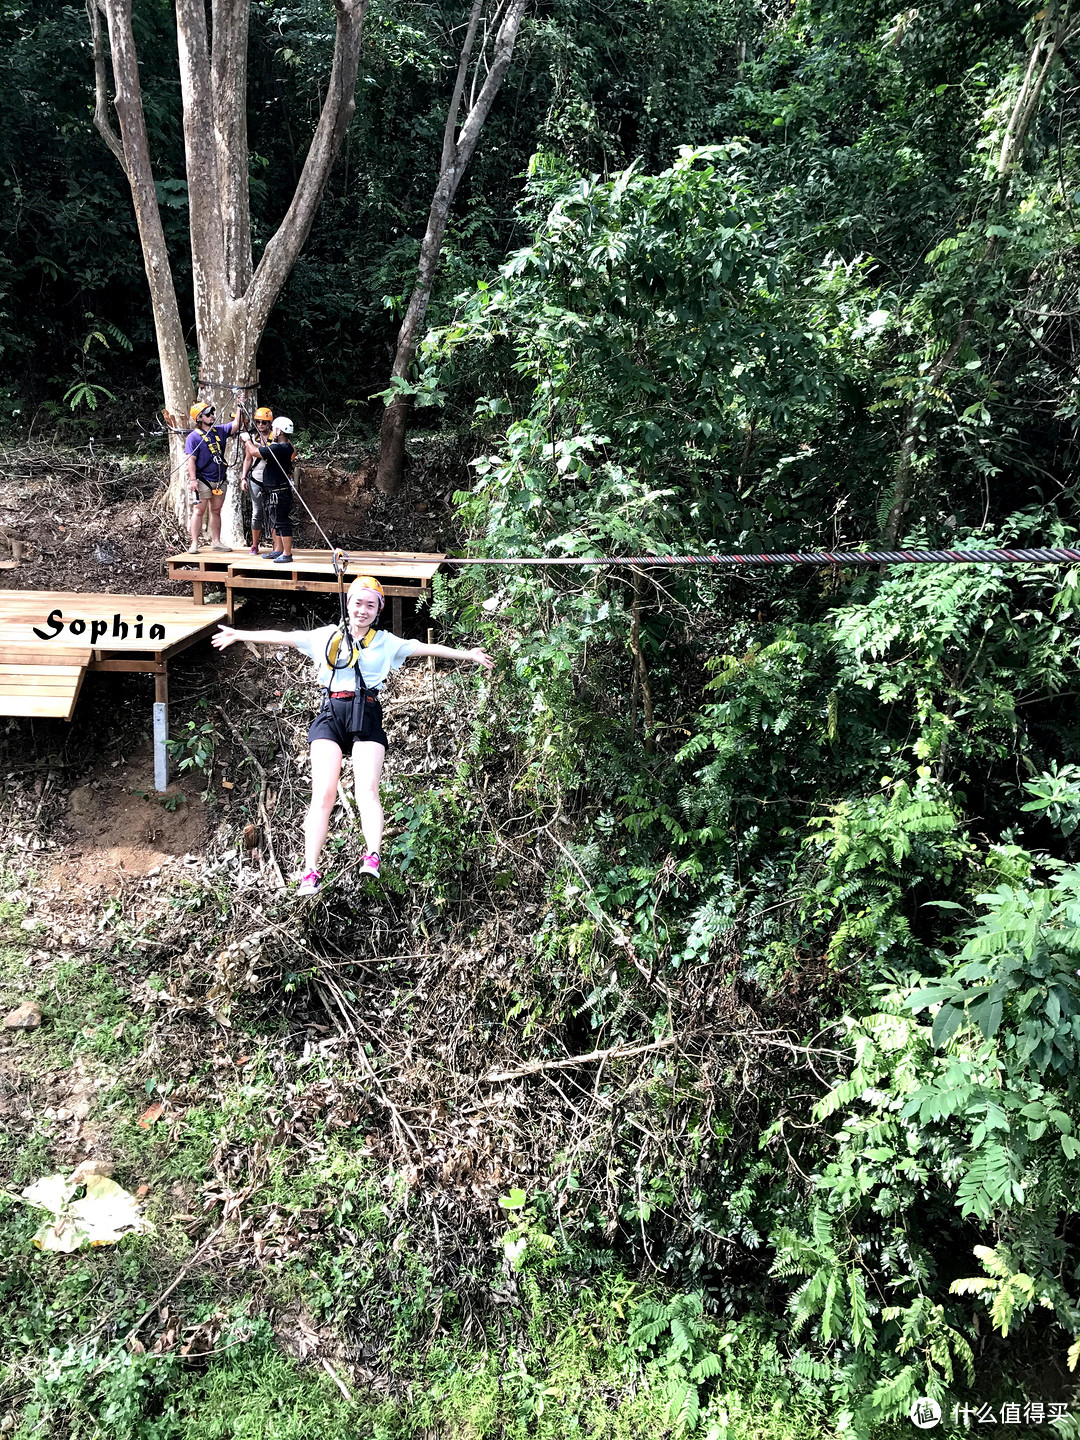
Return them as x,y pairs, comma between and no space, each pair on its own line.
348,694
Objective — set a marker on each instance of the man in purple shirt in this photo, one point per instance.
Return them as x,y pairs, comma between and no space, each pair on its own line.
208,471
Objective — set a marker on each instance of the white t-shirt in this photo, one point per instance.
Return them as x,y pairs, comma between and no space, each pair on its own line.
257,473
385,653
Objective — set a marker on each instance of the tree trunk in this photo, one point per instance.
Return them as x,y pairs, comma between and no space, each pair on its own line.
456,154
132,149
640,667
230,361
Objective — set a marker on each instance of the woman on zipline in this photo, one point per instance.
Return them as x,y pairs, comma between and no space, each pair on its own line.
352,665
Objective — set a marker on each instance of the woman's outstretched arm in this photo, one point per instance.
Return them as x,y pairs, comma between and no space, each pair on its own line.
444,652
227,636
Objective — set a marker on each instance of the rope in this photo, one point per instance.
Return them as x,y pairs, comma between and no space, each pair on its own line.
824,557
329,543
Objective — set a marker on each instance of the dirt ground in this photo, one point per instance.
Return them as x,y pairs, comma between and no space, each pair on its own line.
115,825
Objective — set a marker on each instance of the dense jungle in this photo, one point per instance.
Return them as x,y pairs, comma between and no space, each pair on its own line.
705,1061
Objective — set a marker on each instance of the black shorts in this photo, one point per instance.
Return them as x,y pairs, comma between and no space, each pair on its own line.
279,511
334,722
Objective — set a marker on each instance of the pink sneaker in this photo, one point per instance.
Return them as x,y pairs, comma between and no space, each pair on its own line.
310,883
370,865
254,550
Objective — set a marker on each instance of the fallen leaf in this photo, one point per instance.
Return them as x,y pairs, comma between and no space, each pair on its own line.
105,1214
51,1192
150,1114
227,785
142,1192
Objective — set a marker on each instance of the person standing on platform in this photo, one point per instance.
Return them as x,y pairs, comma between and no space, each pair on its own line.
208,471
253,478
277,462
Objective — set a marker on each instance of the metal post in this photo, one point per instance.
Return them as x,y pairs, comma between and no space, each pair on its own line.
161,732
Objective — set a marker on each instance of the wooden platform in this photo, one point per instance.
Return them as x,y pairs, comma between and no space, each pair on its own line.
40,690
405,574
50,639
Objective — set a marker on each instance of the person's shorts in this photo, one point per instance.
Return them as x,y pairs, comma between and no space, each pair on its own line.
258,505
279,512
205,491
334,722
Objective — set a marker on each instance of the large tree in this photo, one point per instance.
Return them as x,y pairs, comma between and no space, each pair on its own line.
482,76
233,296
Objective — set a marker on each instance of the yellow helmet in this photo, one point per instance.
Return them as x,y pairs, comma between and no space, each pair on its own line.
264,413
368,582
198,408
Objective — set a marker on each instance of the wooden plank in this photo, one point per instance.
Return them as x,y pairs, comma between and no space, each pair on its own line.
322,587
32,684
402,571
28,604
37,677
27,707
129,667
23,612
47,692
23,655
306,554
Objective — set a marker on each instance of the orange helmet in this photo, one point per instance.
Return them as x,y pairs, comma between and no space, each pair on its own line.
264,413
198,408
368,582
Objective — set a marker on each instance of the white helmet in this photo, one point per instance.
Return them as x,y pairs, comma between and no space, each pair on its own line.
283,425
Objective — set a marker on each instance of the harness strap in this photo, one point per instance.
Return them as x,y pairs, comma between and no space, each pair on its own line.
344,636
212,441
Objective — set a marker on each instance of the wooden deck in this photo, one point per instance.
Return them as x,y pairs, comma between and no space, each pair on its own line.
405,574
50,639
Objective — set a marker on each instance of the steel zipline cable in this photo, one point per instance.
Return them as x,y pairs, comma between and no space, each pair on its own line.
1050,556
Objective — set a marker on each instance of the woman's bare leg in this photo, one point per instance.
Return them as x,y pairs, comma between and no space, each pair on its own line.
367,759
325,769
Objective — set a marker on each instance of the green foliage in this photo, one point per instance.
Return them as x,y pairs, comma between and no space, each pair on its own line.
1019,966
974,1111
679,1336
193,748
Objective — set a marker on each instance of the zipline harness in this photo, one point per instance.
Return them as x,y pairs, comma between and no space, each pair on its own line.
343,637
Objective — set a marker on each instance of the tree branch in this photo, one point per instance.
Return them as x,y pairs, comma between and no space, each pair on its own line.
285,244
102,124
204,211
449,133
456,155
172,349
617,1052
